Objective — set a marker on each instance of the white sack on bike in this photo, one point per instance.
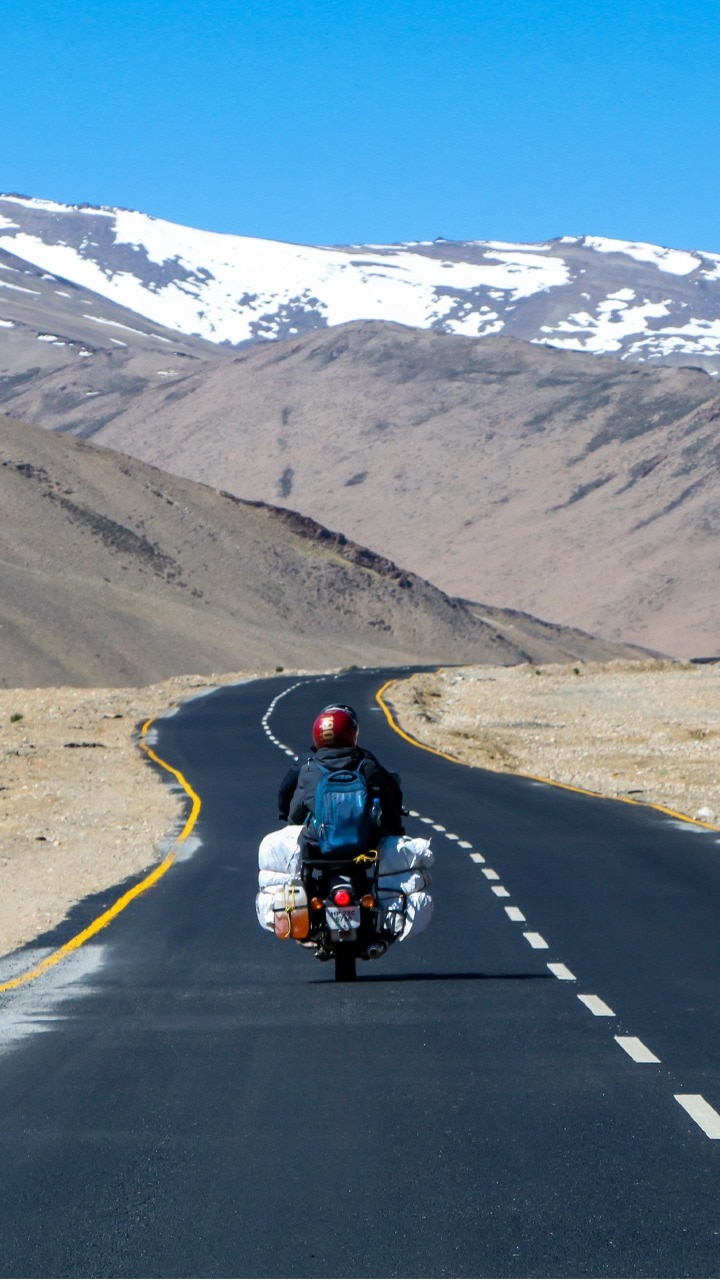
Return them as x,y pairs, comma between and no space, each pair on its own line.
403,877
279,851
403,853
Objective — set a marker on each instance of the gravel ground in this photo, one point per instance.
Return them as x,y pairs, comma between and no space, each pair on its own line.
81,811
79,807
646,731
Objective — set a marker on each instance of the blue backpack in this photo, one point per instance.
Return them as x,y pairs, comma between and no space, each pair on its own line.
347,816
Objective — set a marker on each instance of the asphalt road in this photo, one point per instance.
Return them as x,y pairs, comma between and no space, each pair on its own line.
190,1097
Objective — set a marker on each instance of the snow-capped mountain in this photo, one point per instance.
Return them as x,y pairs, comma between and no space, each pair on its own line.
635,301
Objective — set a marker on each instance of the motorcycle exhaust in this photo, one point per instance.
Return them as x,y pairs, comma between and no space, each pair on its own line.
375,950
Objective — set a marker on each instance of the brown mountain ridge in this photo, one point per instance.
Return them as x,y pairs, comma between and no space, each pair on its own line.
113,572
579,488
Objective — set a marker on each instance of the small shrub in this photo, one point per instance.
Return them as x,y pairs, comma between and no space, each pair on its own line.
279,668
16,715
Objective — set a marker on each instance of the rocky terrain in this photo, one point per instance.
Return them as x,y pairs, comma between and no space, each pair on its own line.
80,810
646,731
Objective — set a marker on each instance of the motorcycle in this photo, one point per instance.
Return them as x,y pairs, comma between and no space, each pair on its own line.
347,908
345,918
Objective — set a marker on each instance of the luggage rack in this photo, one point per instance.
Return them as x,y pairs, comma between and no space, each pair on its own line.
358,867
361,860
392,922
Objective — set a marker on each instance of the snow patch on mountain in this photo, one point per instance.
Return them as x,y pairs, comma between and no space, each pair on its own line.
397,286
587,293
18,288
614,320
676,261
115,324
246,286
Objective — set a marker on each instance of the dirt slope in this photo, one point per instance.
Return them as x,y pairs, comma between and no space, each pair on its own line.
581,489
112,572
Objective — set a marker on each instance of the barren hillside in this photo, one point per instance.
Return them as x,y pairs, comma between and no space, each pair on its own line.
114,572
579,489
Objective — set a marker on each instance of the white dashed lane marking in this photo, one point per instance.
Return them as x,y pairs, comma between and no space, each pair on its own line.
701,1112
638,1051
704,1115
265,720
515,913
597,1006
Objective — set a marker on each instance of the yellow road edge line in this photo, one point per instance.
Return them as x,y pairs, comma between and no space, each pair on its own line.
124,901
196,801
415,742
531,777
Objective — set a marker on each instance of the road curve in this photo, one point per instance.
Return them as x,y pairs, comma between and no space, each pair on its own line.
186,1096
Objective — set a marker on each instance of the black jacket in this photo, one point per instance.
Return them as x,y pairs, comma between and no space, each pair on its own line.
296,799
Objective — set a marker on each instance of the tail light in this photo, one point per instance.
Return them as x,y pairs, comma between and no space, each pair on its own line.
342,897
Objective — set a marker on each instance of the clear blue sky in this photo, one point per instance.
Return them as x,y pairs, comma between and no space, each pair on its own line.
372,120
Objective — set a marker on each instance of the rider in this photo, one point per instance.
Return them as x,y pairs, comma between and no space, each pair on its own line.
335,735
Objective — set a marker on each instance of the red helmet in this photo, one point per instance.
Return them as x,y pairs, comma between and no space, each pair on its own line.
335,727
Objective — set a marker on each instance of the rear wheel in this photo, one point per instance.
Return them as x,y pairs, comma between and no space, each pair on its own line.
345,970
